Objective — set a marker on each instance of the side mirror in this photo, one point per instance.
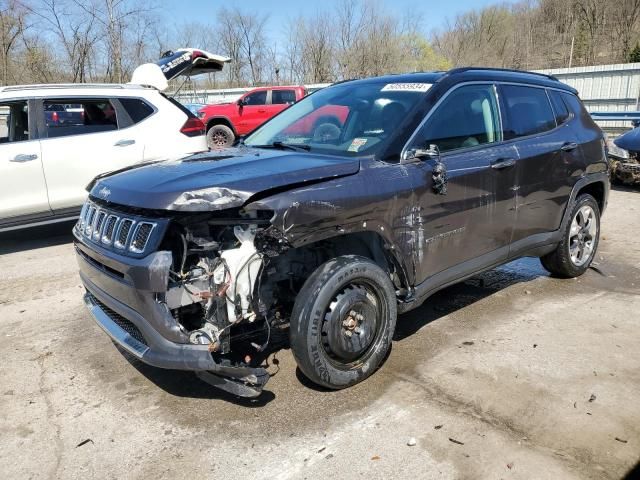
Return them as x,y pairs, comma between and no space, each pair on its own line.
419,153
240,102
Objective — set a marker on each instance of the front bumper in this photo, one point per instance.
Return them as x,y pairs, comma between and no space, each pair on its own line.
121,295
626,172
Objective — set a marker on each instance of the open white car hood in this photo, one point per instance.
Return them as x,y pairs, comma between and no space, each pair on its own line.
172,64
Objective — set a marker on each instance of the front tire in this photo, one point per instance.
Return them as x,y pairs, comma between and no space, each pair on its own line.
343,321
220,136
576,251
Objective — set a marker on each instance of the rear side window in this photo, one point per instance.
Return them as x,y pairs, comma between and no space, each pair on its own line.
559,108
528,111
283,96
137,109
467,117
88,116
14,122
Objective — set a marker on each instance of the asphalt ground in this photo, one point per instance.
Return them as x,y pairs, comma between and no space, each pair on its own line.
511,374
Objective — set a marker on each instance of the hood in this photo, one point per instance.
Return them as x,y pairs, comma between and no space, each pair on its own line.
217,180
172,64
629,141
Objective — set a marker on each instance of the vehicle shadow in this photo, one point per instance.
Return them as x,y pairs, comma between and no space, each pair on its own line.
185,384
36,237
442,303
625,188
633,474
463,294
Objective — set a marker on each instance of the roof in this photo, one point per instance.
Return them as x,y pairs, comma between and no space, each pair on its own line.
474,74
48,90
12,88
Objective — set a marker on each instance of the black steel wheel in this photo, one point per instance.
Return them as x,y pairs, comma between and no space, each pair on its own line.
343,321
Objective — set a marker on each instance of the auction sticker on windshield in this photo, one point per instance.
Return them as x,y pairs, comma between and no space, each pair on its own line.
406,87
356,144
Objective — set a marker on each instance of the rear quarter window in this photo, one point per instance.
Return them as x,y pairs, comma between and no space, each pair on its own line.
177,104
559,108
528,111
574,104
137,109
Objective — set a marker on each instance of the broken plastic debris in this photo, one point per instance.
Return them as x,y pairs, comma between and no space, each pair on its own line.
411,442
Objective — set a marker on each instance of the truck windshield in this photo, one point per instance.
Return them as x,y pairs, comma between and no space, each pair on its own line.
348,119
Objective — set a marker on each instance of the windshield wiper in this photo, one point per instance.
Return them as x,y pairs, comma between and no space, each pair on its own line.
285,146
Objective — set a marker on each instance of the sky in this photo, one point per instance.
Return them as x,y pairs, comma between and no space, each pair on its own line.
433,13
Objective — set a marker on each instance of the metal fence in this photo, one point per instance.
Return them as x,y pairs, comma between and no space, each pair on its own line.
605,88
225,95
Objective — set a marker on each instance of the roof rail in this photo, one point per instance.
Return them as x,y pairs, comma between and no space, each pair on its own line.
509,70
13,88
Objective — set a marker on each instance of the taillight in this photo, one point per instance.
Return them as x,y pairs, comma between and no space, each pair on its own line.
193,127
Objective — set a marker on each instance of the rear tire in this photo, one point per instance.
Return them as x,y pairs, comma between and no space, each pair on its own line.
343,321
220,136
579,244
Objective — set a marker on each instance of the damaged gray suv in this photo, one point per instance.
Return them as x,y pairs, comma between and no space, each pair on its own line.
352,206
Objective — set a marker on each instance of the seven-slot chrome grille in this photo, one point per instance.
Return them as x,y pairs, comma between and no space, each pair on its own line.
115,230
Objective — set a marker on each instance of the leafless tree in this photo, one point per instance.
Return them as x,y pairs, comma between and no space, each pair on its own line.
12,27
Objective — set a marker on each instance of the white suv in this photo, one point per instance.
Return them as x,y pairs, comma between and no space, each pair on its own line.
54,139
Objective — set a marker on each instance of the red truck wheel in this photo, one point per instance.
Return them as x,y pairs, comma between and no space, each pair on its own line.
220,136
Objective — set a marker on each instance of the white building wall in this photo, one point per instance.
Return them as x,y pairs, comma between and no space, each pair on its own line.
604,88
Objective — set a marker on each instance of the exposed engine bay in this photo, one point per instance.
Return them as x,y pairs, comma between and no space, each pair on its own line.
231,287
626,170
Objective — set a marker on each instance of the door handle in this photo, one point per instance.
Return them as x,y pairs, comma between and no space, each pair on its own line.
501,163
567,147
24,157
124,143
261,110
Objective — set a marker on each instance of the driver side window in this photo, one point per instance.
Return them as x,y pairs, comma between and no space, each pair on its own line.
467,117
257,98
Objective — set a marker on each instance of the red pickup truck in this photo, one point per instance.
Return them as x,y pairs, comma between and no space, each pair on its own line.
228,120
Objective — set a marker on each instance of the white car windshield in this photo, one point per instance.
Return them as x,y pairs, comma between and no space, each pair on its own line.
347,119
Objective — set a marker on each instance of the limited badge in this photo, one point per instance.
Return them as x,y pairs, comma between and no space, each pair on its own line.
356,144
406,87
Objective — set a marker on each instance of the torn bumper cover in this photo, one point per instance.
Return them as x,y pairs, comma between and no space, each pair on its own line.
627,172
136,321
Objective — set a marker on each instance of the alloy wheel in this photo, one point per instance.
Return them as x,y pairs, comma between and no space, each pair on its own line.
582,236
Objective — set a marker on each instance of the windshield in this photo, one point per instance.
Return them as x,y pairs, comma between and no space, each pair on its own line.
347,119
